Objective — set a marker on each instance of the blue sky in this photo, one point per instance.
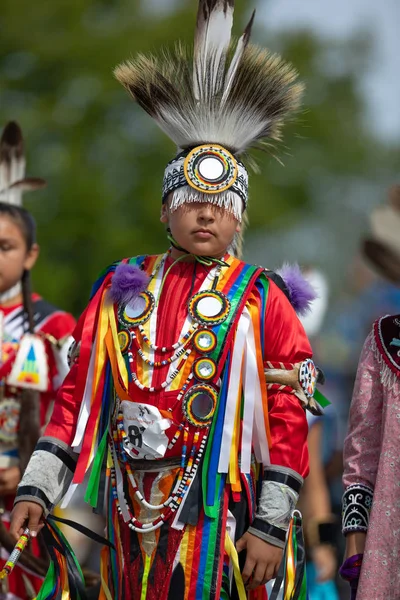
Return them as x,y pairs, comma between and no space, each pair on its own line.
344,18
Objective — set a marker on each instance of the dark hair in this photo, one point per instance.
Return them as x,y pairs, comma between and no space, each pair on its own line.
23,219
27,226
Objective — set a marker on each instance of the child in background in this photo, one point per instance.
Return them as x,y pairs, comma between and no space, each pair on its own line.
34,337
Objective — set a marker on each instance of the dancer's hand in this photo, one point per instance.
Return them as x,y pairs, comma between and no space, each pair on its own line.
9,480
26,514
262,560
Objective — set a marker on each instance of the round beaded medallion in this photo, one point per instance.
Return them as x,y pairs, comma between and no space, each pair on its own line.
209,307
199,404
204,369
204,340
137,312
210,168
124,340
308,376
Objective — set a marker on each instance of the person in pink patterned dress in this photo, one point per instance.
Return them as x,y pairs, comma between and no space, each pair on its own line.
371,501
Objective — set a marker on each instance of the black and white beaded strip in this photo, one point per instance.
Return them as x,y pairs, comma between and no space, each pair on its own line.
356,508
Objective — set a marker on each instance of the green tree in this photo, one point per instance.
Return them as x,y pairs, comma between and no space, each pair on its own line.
104,159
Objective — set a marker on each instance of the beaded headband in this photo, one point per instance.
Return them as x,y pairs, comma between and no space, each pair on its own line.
211,170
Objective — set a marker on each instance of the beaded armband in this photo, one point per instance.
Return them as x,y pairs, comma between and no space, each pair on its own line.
356,507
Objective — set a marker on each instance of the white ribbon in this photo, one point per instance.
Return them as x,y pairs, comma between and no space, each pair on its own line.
68,496
84,410
233,394
250,379
260,439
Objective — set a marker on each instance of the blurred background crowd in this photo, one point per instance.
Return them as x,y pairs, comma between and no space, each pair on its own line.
101,155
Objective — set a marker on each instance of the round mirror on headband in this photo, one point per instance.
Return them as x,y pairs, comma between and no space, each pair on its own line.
210,169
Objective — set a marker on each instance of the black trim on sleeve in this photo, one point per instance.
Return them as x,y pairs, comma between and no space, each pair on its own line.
279,281
57,451
356,507
268,529
30,490
284,478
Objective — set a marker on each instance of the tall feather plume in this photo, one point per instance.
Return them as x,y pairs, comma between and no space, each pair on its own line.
12,167
211,43
233,67
12,161
239,106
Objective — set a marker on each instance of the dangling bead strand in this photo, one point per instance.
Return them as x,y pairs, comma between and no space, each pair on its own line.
165,349
174,501
165,383
160,363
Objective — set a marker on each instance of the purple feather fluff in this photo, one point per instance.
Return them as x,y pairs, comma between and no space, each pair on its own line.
301,292
127,283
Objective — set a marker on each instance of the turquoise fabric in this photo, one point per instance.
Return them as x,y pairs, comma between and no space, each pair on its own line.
317,590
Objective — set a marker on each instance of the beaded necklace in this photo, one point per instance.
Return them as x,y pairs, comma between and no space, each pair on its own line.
198,337
180,348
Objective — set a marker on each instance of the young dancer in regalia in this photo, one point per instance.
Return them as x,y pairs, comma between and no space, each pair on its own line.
166,404
32,335
371,476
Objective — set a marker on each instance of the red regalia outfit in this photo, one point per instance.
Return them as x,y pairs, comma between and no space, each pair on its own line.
287,426
185,400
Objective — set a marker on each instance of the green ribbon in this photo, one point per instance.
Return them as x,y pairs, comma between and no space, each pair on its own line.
48,584
92,492
320,398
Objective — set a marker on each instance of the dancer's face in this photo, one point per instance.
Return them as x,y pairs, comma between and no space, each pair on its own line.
201,228
15,257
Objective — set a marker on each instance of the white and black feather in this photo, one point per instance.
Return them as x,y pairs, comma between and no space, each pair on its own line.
12,167
236,95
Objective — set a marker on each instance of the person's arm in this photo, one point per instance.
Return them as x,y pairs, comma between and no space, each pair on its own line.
361,455
52,464
316,508
362,445
284,342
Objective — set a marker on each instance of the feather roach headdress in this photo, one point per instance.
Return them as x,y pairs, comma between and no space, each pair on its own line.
12,167
215,103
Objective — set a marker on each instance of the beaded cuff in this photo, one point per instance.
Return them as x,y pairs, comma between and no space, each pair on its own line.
279,494
48,474
356,507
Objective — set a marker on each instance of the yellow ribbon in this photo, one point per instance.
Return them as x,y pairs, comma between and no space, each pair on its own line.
231,551
234,475
290,566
